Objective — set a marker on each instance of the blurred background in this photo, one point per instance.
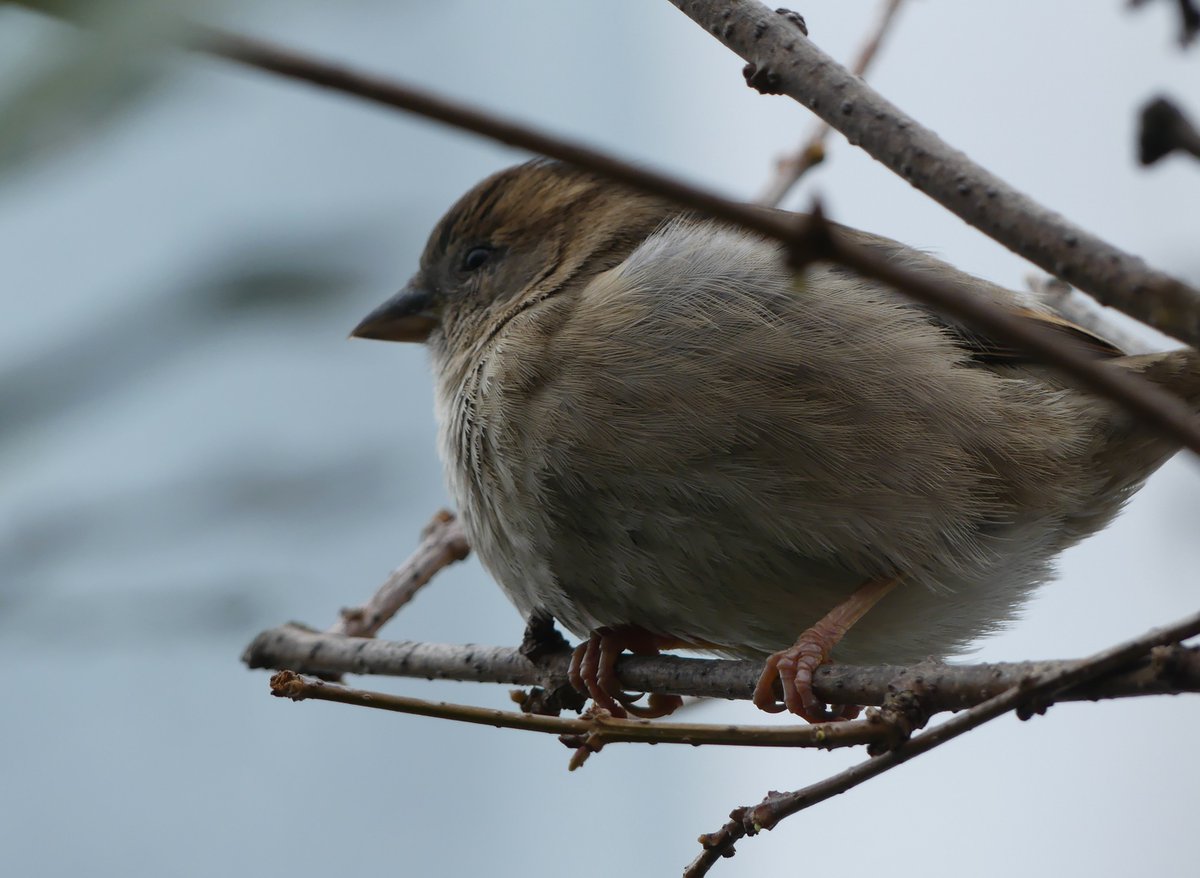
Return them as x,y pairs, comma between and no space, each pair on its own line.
191,450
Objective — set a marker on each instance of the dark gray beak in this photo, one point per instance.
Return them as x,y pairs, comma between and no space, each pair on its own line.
406,316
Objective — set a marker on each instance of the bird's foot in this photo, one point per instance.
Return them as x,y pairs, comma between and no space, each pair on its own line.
795,666
593,671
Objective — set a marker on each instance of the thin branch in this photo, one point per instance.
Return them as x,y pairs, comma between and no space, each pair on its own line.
790,168
599,728
943,687
1175,307
1157,406
1031,695
442,543
782,60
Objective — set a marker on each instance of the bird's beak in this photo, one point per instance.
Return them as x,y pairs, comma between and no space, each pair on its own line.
407,316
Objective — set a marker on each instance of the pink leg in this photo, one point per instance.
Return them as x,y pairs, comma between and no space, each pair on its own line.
796,665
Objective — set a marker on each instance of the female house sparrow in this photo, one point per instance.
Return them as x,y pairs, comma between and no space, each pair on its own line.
657,434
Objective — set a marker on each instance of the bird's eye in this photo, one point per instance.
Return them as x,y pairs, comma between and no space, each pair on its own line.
476,258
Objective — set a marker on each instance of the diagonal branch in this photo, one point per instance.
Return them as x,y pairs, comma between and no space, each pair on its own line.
1030,695
782,60
1154,404
442,543
1174,306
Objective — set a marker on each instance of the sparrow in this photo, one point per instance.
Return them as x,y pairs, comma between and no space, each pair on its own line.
663,436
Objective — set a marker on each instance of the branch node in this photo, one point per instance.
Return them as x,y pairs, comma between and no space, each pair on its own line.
764,81
584,746
549,702
905,710
813,238
541,638
795,18
718,845
289,684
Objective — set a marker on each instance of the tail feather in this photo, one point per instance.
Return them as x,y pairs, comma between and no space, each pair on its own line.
1176,371
1128,451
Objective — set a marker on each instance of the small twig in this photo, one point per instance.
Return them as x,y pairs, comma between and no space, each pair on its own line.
790,168
442,544
599,728
1165,129
1032,695
945,687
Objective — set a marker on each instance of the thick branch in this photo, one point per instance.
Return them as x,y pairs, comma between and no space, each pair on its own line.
785,61
943,687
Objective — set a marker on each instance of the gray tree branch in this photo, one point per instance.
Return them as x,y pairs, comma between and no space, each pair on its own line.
782,60
943,687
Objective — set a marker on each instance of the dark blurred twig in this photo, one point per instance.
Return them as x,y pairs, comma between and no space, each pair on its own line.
1164,129
1189,19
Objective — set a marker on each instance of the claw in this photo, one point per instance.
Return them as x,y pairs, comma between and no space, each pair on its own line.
795,666
593,670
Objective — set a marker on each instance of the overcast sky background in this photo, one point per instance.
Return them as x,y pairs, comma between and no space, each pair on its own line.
192,451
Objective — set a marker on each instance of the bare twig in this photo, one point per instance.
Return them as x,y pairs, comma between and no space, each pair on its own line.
597,729
782,60
1160,300
1164,130
1031,695
442,543
944,687
790,168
